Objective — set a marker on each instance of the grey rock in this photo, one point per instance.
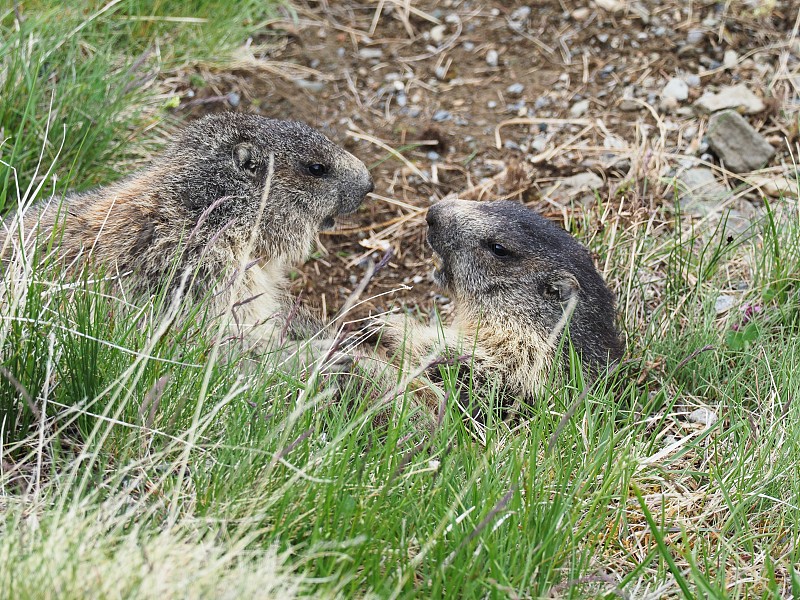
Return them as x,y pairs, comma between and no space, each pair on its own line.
515,89
442,115
234,99
311,86
677,89
492,58
736,96
520,14
579,108
724,303
730,59
437,34
370,53
740,147
583,181
703,416
700,192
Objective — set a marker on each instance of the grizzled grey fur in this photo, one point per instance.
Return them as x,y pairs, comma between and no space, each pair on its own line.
196,206
518,283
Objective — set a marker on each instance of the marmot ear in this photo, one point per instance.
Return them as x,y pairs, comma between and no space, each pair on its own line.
245,156
561,285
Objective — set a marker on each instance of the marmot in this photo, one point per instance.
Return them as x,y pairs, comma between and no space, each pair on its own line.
196,208
518,283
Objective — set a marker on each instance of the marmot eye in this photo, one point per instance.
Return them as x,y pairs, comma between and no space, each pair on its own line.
499,250
317,170
250,166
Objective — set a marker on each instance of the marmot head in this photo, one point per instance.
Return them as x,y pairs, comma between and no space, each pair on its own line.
219,166
509,267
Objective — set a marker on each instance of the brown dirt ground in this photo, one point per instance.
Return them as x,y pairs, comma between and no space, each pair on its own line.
316,70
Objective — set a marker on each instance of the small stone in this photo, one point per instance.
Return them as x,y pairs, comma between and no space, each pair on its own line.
676,89
492,58
724,303
629,105
520,14
579,109
311,86
581,14
736,96
442,115
370,53
695,36
437,34
778,186
730,59
740,147
703,416
234,99
583,181
700,192
693,81
491,104
612,6
515,89
539,143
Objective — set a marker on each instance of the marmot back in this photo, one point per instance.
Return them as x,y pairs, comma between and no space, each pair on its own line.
518,283
197,205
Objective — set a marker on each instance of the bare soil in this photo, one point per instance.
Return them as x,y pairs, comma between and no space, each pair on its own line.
411,88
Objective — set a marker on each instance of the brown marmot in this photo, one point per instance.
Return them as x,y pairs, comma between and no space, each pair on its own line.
232,189
518,283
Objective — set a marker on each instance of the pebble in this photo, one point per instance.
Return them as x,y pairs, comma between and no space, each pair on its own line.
515,89
777,186
437,34
700,191
703,416
612,6
724,303
539,143
735,96
693,80
695,36
370,53
730,59
492,104
442,115
740,147
520,14
234,99
581,14
677,89
587,180
579,109
492,58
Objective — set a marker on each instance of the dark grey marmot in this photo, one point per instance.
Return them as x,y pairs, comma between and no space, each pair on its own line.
518,283
196,207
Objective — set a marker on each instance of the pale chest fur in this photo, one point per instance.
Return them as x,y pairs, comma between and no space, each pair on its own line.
259,303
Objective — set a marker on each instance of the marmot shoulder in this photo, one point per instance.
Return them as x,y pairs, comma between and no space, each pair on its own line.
231,189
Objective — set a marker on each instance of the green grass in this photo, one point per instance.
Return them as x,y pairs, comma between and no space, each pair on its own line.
140,461
79,81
